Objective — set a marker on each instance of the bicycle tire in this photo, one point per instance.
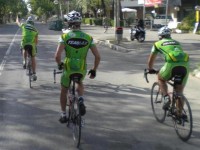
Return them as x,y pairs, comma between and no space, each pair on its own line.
29,73
184,129
69,115
77,126
157,103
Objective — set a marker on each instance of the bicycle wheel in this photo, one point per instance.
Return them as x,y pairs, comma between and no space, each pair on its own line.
77,126
157,103
69,114
29,73
184,124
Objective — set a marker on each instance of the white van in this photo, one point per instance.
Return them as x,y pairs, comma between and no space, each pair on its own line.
160,20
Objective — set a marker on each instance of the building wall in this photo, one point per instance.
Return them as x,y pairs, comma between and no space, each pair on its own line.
186,6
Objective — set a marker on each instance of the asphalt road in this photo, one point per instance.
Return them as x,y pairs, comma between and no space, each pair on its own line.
119,115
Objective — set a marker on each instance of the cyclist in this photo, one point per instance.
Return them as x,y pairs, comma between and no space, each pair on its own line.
176,62
76,44
105,23
29,38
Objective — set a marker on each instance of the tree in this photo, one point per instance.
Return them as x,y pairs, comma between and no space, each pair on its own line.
11,7
42,8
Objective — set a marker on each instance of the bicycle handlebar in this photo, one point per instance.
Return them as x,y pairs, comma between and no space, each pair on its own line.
147,71
54,74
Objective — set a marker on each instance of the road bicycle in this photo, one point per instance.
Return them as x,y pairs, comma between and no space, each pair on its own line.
29,71
179,109
74,116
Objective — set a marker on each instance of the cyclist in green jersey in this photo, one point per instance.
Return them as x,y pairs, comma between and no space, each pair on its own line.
76,44
176,62
30,39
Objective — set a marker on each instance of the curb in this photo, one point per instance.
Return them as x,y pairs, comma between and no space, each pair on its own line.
113,46
196,73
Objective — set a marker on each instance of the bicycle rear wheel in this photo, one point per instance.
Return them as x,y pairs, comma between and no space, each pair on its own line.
157,103
29,74
77,126
184,125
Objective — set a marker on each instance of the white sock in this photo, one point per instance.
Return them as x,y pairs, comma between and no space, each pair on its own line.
63,113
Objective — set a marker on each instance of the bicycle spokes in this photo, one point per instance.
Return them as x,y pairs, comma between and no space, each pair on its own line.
157,103
183,121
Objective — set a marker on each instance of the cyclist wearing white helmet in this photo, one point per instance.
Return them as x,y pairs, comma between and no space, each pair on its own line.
29,40
76,44
30,21
176,62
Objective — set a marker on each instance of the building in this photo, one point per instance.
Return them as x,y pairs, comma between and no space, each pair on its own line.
177,9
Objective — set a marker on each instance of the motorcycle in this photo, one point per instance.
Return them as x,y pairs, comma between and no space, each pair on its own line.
137,33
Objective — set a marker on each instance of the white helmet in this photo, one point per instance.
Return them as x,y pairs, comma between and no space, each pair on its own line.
74,17
164,31
30,20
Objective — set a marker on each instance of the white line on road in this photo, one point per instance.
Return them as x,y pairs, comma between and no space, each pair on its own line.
7,53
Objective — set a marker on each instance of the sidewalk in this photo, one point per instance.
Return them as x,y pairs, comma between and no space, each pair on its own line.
108,39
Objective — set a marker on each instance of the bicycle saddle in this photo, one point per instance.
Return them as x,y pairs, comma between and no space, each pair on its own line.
177,79
29,49
76,77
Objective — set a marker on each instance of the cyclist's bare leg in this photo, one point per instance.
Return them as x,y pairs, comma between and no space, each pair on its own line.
33,64
179,103
163,85
80,89
24,53
63,98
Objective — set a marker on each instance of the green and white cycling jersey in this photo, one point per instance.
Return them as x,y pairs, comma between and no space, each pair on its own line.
77,44
29,34
174,56
171,50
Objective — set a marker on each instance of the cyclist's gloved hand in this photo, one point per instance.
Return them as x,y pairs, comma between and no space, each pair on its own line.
92,73
152,71
60,66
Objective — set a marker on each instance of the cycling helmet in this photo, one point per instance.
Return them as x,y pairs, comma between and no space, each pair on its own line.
164,32
74,17
30,20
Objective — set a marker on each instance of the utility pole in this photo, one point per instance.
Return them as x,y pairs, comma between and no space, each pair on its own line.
118,29
166,13
59,2
116,13
144,10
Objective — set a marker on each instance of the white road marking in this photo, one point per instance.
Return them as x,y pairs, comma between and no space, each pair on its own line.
7,53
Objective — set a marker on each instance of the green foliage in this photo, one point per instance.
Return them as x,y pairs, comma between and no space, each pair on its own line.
12,8
89,21
43,7
98,21
188,22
